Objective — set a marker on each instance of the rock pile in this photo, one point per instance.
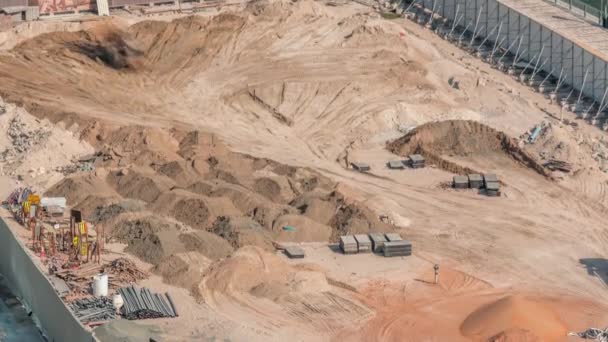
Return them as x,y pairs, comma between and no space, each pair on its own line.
22,139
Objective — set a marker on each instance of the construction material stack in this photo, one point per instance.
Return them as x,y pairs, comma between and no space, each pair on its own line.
392,237
142,304
417,161
475,181
378,241
396,246
491,184
294,252
361,167
395,165
364,244
348,244
460,182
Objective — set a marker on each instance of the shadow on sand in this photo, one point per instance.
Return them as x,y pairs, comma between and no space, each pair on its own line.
596,267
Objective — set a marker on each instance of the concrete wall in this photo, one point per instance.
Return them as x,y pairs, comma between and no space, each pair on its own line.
29,283
553,52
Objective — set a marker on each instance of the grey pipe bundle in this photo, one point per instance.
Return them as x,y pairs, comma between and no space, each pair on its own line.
142,304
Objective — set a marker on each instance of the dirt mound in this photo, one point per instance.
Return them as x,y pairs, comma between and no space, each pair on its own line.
192,211
76,188
242,231
438,140
208,244
268,188
514,312
515,335
150,238
140,183
260,280
184,269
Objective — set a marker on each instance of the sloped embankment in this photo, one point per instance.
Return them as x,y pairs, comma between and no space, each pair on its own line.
462,138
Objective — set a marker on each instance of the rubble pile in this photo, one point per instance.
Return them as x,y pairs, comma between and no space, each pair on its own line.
123,271
600,154
22,139
538,131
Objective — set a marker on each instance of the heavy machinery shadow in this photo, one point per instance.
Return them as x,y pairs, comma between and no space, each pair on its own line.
596,267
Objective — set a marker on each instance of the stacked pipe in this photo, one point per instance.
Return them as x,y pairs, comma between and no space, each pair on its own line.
93,309
143,304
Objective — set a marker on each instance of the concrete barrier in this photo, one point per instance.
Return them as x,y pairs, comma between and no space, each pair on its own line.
33,288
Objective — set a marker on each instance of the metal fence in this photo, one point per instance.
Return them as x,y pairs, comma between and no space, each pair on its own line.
582,9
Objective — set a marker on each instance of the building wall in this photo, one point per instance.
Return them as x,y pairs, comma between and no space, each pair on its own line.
13,3
29,283
59,6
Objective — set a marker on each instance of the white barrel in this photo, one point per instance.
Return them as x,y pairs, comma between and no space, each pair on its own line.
117,301
100,285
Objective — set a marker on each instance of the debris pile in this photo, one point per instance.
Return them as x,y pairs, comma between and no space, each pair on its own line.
79,279
558,165
535,132
94,309
143,304
21,139
120,273
123,271
599,153
598,335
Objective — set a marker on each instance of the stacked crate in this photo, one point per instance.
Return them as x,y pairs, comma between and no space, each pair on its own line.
491,184
378,241
361,167
460,182
393,237
395,165
294,252
397,248
417,161
475,181
348,244
364,244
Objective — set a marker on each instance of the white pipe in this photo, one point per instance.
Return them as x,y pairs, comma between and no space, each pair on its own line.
432,12
507,50
486,38
580,94
476,25
600,108
521,39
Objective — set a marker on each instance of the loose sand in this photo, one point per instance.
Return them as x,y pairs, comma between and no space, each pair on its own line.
217,131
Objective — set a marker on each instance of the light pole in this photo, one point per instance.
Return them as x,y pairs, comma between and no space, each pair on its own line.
436,268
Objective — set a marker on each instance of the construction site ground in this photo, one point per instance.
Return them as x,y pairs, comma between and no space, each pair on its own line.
309,87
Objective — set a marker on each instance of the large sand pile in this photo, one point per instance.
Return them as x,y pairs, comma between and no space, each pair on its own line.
166,193
438,140
514,318
262,282
35,150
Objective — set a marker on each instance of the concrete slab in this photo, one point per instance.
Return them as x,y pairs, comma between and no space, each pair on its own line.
294,252
361,167
396,165
393,237
490,177
460,182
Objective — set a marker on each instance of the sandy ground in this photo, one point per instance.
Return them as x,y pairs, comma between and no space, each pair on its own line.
311,85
